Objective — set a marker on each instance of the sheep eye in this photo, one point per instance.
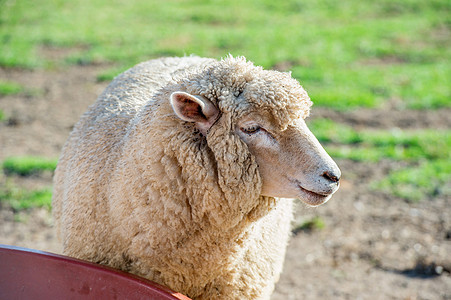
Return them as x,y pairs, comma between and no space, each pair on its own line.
251,130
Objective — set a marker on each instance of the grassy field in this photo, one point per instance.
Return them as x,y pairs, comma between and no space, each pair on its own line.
348,54
378,72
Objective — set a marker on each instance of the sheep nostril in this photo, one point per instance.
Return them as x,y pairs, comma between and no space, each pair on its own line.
331,176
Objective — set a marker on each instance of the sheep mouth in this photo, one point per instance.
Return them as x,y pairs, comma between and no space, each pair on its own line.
312,198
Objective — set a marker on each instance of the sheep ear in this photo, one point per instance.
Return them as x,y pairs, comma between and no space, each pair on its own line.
194,109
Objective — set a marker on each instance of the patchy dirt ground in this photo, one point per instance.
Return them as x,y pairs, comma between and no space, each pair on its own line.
373,246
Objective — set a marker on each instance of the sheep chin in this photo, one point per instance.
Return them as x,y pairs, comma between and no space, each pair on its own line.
311,198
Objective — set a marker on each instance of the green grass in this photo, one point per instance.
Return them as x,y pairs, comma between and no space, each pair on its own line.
21,199
28,165
2,115
347,54
427,180
10,88
342,141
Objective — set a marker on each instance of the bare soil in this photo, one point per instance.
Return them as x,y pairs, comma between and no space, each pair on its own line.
373,246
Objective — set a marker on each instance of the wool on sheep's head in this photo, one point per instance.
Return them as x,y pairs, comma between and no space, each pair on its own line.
235,85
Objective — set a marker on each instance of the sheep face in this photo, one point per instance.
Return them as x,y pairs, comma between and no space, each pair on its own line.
291,161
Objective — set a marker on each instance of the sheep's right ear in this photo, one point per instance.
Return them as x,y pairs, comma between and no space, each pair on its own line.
194,109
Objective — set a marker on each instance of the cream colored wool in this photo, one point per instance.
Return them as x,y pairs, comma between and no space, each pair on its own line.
138,189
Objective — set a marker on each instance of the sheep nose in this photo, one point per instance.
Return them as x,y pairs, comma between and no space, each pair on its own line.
332,175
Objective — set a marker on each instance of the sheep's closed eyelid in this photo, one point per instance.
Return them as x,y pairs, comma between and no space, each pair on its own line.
252,129
260,130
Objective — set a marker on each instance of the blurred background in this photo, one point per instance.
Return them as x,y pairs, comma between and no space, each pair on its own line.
378,72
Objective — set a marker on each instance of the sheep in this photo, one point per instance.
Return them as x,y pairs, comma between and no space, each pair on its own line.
184,172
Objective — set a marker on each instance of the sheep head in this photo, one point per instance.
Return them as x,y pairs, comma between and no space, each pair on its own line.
253,120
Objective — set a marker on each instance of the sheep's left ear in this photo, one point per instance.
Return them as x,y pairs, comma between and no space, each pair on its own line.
194,109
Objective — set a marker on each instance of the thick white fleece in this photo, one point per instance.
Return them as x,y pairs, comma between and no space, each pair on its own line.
138,189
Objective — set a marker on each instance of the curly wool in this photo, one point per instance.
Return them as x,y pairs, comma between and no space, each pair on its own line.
140,190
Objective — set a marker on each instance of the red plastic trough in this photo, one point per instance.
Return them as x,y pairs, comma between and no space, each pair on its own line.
32,274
